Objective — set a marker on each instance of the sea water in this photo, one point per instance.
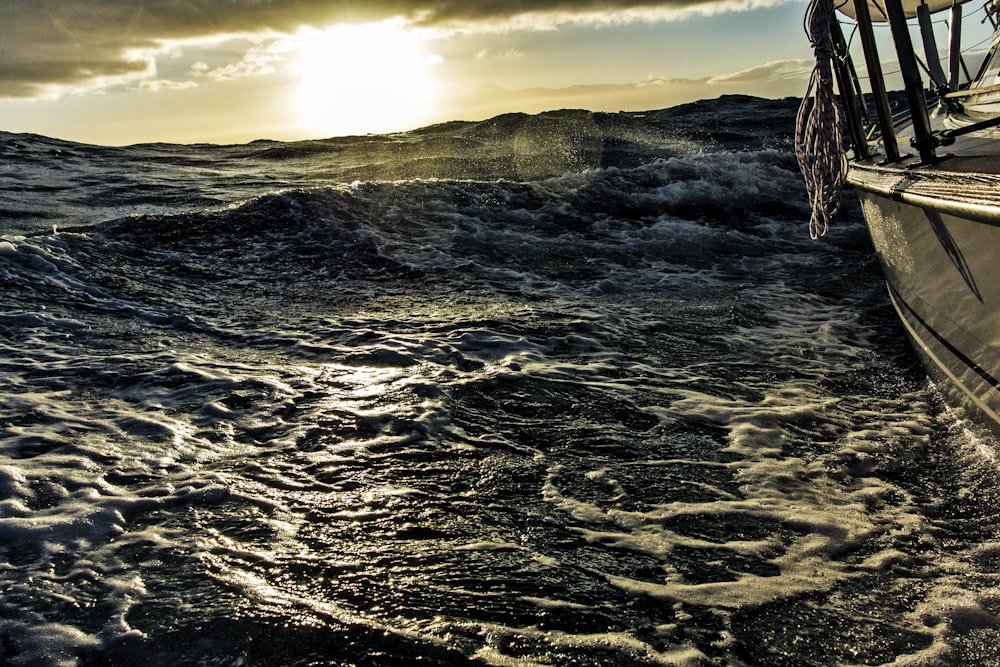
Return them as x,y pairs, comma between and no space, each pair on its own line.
566,389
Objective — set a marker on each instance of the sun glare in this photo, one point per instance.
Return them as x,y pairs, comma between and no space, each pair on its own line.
359,79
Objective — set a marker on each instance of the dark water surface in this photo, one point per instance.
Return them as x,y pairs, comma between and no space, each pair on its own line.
570,389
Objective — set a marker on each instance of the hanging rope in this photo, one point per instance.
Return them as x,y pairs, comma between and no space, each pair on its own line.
818,138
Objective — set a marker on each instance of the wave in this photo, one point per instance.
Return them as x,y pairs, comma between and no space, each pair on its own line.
67,183
555,389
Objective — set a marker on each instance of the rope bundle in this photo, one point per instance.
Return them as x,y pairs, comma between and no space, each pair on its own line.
818,138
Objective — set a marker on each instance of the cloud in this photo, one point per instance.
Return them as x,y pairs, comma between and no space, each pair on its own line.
774,71
65,43
545,14
509,54
259,60
156,85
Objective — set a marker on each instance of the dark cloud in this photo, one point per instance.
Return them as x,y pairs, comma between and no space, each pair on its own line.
69,42
447,11
45,42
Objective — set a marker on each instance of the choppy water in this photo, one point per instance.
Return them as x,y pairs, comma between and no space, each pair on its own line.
573,389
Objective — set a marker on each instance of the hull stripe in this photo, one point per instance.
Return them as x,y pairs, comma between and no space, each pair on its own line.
979,370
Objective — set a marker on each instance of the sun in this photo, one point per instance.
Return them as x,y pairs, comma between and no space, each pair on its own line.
360,79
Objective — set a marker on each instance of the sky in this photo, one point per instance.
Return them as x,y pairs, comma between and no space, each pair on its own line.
118,72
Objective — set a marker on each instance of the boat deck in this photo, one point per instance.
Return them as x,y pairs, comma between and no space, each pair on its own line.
970,164
977,153
972,153
965,184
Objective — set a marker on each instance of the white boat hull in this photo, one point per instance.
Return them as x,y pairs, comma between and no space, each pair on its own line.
940,269
928,176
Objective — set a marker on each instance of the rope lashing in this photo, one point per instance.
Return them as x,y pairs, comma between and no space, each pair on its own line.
818,137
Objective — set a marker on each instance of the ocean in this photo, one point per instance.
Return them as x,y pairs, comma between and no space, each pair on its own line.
561,389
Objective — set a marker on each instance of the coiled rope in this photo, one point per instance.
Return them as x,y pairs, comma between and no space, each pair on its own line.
818,137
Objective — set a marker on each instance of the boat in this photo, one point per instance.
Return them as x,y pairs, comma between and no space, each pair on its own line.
925,162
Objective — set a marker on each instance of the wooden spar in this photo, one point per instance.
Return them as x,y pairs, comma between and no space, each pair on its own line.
954,46
876,80
935,71
923,140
